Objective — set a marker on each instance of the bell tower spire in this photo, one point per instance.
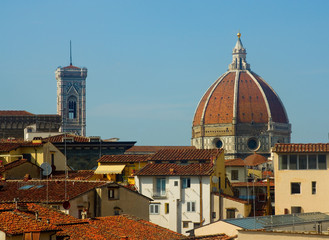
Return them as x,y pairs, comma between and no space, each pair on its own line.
239,56
70,53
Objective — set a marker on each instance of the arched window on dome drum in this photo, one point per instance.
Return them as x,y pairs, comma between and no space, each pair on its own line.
72,108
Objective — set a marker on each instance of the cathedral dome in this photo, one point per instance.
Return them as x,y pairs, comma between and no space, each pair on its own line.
240,96
240,107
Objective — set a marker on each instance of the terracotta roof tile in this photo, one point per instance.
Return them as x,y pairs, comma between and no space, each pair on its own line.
212,237
255,159
73,175
59,138
301,148
36,190
8,146
250,184
237,162
16,223
233,198
15,113
124,158
172,169
153,149
71,67
13,164
185,154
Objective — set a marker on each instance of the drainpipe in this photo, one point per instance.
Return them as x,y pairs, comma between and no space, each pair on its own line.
201,205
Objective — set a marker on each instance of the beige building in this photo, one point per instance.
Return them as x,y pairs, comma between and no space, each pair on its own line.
301,178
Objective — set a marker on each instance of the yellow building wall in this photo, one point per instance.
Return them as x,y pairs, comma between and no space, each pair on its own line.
220,173
306,200
127,172
40,153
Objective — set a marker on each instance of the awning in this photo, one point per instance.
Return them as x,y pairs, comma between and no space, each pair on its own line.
109,169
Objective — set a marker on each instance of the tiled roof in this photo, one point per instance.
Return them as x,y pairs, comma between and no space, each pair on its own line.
7,146
185,154
250,184
15,223
15,113
172,169
71,67
74,175
254,160
36,190
118,227
255,99
22,219
44,212
237,162
126,158
233,198
212,237
266,174
59,138
12,164
153,149
301,148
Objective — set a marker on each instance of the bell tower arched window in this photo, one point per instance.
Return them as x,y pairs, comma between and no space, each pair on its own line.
72,108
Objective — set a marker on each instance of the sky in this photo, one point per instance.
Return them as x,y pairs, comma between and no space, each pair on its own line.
150,62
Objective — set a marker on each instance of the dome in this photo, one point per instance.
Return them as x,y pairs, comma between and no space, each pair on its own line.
240,112
242,96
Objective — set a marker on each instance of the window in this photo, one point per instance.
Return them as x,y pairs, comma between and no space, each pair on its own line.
186,182
112,193
230,213
117,211
234,175
72,109
166,208
322,162
191,206
295,188
52,159
312,161
313,187
154,208
293,162
185,224
296,209
283,162
302,162
253,144
176,183
161,187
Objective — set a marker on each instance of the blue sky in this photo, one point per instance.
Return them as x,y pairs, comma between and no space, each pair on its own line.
150,62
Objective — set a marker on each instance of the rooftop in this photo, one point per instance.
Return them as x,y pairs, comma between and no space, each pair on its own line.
301,148
41,191
172,169
126,158
153,149
185,154
277,220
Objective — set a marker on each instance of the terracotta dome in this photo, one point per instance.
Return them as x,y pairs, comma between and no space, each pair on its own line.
240,112
242,95
255,160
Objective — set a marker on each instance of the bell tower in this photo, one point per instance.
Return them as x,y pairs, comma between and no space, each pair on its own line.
71,98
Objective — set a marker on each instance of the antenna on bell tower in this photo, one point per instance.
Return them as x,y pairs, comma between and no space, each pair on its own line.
70,53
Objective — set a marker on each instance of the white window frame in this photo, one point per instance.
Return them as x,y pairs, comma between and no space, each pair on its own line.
160,187
190,206
155,208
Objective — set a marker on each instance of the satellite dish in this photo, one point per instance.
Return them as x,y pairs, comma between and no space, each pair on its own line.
47,169
239,215
214,179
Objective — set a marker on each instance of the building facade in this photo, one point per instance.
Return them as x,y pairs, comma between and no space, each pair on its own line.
71,98
301,175
240,112
182,184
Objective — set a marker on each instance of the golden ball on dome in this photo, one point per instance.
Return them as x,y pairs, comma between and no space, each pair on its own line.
239,35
